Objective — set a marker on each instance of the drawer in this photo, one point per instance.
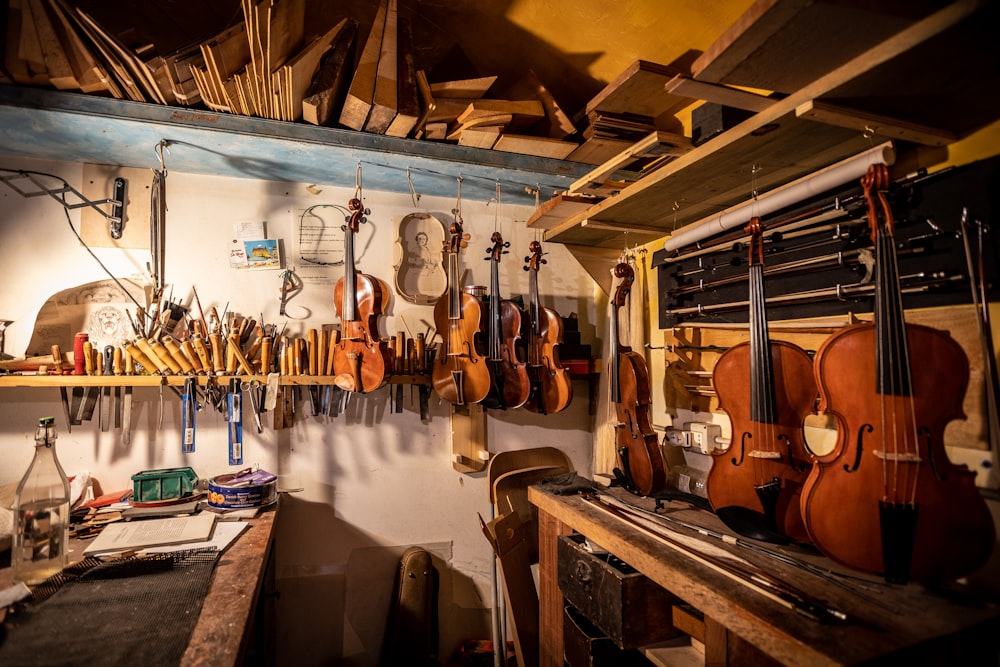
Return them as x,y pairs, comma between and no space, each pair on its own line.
624,604
584,645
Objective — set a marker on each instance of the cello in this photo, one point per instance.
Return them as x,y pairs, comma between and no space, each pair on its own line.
551,385
509,386
361,358
911,513
643,469
460,374
767,389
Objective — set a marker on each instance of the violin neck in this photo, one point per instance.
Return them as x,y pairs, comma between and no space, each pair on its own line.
349,308
762,401
892,357
454,290
534,318
496,335
614,381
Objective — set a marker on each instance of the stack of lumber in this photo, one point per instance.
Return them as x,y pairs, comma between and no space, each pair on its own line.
263,62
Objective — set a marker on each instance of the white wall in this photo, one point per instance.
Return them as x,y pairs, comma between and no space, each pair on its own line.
372,482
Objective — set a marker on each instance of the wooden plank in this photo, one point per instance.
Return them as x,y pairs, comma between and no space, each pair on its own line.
89,74
485,108
300,70
775,45
656,144
480,137
60,72
225,54
408,99
883,126
558,209
468,438
598,150
530,145
639,90
385,100
358,102
29,47
463,88
529,86
323,100
724,95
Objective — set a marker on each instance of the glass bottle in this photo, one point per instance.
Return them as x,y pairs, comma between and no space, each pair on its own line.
41,535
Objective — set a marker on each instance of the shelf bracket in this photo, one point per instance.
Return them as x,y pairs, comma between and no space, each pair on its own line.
116,201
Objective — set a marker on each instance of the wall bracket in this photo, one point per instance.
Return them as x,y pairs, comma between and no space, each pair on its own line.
116,201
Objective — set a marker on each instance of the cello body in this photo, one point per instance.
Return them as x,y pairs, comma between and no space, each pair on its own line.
460,374
636,442
767,389
360,358
551,384
953,530
886,499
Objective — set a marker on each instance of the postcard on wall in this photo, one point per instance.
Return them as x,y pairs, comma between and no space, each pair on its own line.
251,249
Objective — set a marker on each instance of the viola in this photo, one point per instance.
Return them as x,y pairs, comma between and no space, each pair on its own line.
361,358
460,374
886,499
767,389
551,385
636,442
509,386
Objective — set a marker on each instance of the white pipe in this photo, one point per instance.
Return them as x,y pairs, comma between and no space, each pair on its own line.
788,194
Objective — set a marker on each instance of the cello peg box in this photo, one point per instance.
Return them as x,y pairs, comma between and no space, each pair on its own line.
628,607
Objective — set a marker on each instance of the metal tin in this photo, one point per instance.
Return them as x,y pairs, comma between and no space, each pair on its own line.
251,489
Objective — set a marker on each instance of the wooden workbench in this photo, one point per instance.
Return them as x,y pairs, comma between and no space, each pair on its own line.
230,621
887,624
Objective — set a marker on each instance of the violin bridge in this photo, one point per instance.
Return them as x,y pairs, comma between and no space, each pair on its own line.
899,457
762,454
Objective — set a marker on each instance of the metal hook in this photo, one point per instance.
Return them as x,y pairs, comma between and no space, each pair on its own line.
414,195
162,145
458,202
357,182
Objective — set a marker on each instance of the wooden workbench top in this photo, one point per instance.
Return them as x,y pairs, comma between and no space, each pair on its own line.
885,622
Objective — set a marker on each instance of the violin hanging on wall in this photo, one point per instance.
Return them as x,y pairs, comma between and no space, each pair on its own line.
551,384
767,389
886,499
361,359
509,386
460,374
643,470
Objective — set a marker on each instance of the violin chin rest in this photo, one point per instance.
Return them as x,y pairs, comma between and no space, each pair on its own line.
345,382
749,523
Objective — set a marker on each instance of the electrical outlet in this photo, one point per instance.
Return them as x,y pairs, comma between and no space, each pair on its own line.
677,438
704,436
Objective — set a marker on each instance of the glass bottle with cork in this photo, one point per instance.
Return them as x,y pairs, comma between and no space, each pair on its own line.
41,535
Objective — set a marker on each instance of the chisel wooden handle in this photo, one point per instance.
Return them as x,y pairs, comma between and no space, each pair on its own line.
420,350
116,361
187,347
266,347
218,354
174,350
160,351
57,360
198,343
89,362
312,340
241,360
323,350
138,356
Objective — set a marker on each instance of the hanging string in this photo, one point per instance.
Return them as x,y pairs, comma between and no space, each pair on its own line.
357,183
457,211
414,195
496,212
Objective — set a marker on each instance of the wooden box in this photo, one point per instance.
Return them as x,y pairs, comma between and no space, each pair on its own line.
625,605
584,645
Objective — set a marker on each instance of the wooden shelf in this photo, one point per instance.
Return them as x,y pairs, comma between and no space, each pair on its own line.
177,380
903,78
85,128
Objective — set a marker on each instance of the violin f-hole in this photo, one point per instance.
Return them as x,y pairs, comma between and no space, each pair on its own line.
791,459
743,449
865,428
938,474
